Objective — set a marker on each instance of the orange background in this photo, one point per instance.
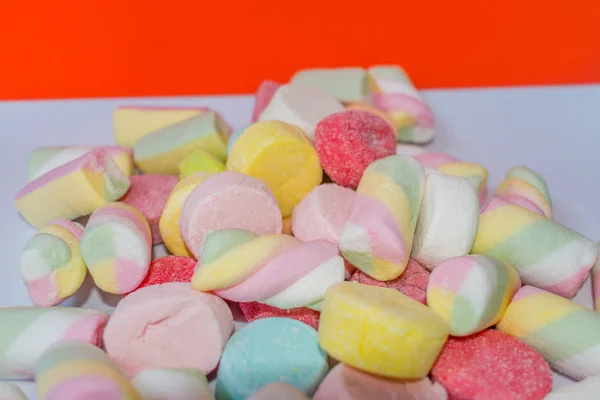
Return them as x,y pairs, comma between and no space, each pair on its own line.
92,48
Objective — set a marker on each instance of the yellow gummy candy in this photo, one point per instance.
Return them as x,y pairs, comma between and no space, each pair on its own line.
380,330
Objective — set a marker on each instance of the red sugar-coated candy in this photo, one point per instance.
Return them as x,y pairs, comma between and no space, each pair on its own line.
149,194
412,282
265,92
492,365
169,269
348,141
255,310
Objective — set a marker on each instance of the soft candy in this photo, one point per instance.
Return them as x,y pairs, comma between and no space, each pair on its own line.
404,104
347,142
255,310
76,371
45,159
378,236
564,332
346,383
278,391
492,365
200,161
546,254
270,350
169,219
380,331
471,292
169,269
596,282
265,92
228,200
278,270
381,114
524,187
448,220
349,84
302,106
323,213
168,326
172,384
72,190
149,194
161,151
51,264
10,391
280,155
117,247
586,389
28,331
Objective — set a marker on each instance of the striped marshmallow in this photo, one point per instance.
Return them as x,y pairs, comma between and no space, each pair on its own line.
526,188
348,84
546,254
565,333
172,384
378,236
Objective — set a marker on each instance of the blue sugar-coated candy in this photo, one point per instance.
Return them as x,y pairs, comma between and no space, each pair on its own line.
270,350
234,136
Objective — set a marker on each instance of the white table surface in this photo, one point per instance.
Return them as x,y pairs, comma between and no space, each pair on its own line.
554,130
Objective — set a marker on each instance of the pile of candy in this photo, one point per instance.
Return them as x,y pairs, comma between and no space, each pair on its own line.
367,269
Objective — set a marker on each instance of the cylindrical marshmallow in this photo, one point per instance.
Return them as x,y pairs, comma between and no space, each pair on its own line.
347,84
524,187
546,254
265,92
228,200
10,391
471,292
448,220
378,236
51,264
587,389
172,384
76,371
168,326
117,247
564,332
28,331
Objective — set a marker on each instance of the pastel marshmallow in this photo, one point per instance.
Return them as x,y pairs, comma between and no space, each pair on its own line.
471,292
200,161
378,236
586,389
51,264
72,190
172,384
526,188
380,331
278,391
348,84
280,155
546,254
265,92
28,331
75,371
228,200
168,326
117,247
10,391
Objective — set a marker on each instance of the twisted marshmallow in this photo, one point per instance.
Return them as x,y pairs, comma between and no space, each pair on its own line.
524,187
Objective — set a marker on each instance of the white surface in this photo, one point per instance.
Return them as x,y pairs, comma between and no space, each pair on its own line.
555,131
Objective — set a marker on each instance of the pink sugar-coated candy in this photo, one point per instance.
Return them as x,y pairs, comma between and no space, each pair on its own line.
169,269
265,92
149,194
492,365
228,200
255,310
323,213
346,383
348,141
168,326
412,282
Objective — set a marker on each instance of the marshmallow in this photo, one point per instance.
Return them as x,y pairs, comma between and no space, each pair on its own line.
281,156
76,371
51,264
117,247
278,270
349,84
168,326
524,187
10,391
596,282
403,103
471,292
235,136
302,106
448,220
161,151
72,190
587,389
278,391
323,213
200,161
564,332
265,92
28,331
270,350
546,254
228,200
45,159
169,219
380,331
172,384
378,236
